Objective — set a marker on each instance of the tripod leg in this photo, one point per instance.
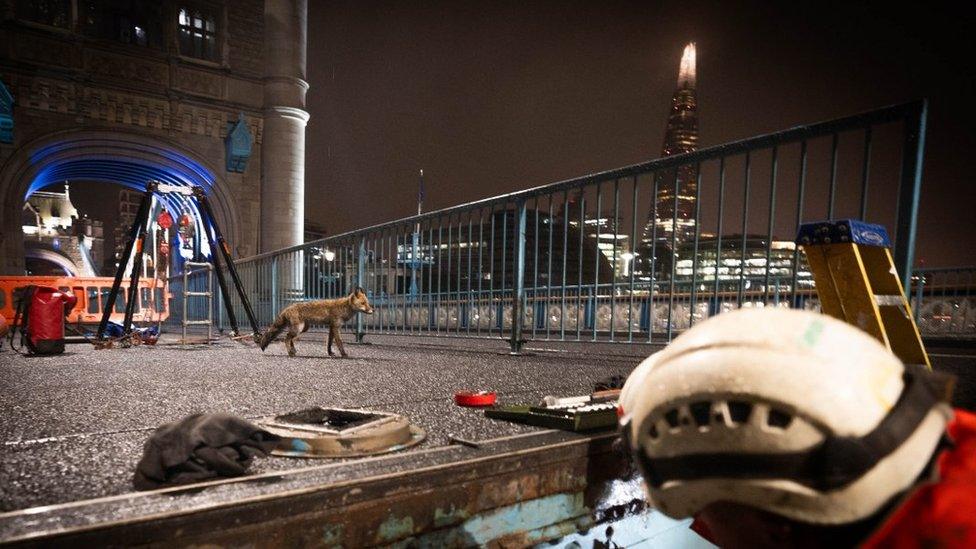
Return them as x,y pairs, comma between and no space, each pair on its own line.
239,287
223,249
220,276
134,293
141,216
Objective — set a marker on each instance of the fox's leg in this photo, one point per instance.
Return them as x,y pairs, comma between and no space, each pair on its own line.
338,339
293,332
289,342
331,337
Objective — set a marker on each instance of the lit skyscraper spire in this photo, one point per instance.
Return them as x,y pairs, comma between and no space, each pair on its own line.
672,216
681,134
686,75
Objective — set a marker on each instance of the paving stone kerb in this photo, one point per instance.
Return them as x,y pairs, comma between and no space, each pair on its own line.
73,425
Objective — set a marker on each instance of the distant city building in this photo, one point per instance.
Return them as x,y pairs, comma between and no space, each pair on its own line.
604,233
607,236
668,240
730,266
478,258
56,240
676,195
128,201
672,216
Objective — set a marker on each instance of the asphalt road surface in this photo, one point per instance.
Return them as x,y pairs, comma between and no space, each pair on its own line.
73,425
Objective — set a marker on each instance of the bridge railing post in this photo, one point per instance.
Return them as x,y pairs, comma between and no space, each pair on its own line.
274,285
518,297
919,289
360,281
909,190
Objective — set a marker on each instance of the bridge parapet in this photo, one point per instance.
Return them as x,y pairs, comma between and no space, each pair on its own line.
576,260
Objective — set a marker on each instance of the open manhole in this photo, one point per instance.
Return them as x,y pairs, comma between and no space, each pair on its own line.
338,433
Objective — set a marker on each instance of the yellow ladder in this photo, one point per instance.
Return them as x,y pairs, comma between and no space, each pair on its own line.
857,282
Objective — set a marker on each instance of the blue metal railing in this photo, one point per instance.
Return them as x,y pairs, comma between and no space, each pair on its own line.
944,302
592,258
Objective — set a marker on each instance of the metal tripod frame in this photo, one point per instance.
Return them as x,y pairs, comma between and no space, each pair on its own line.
137,236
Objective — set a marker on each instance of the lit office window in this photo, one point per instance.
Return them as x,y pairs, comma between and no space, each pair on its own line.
198,34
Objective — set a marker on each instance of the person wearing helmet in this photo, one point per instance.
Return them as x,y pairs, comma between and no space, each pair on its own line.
777,427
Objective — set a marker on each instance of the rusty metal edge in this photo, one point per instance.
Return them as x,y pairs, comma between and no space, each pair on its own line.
32,511
571,440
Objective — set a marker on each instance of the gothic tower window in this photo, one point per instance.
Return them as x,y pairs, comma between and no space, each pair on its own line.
138,22
198,34
56,13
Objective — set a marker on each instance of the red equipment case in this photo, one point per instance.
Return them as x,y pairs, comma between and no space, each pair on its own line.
43,319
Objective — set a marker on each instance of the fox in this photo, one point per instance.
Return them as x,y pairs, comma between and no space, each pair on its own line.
297,318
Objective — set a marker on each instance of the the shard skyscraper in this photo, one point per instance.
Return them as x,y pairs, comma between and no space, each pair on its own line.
672,214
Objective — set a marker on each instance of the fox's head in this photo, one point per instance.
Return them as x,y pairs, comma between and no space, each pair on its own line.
359,302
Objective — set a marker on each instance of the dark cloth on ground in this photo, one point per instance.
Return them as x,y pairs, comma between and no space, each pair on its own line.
198,448
612,382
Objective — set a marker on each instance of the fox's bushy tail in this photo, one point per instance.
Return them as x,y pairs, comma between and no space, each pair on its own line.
272,332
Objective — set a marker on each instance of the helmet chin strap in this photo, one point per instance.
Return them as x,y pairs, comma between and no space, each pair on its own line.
832,464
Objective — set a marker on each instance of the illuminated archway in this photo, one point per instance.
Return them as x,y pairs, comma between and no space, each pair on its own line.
127,159
53,258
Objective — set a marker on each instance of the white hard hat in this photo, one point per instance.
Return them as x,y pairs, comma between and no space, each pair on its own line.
788,411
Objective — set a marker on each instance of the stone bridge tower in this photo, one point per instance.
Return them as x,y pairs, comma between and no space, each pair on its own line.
191,92
285,84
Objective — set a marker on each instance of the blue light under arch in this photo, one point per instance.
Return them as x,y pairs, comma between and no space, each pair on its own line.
132,173
6,115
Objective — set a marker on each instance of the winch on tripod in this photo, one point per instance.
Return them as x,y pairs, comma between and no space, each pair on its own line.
136,240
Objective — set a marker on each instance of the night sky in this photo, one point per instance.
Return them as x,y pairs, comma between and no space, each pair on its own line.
494,97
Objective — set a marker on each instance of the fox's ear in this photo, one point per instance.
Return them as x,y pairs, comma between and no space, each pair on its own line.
360,290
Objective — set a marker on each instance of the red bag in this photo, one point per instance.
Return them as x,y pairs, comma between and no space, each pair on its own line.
40,317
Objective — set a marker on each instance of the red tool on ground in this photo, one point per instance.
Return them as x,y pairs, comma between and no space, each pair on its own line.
474,400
